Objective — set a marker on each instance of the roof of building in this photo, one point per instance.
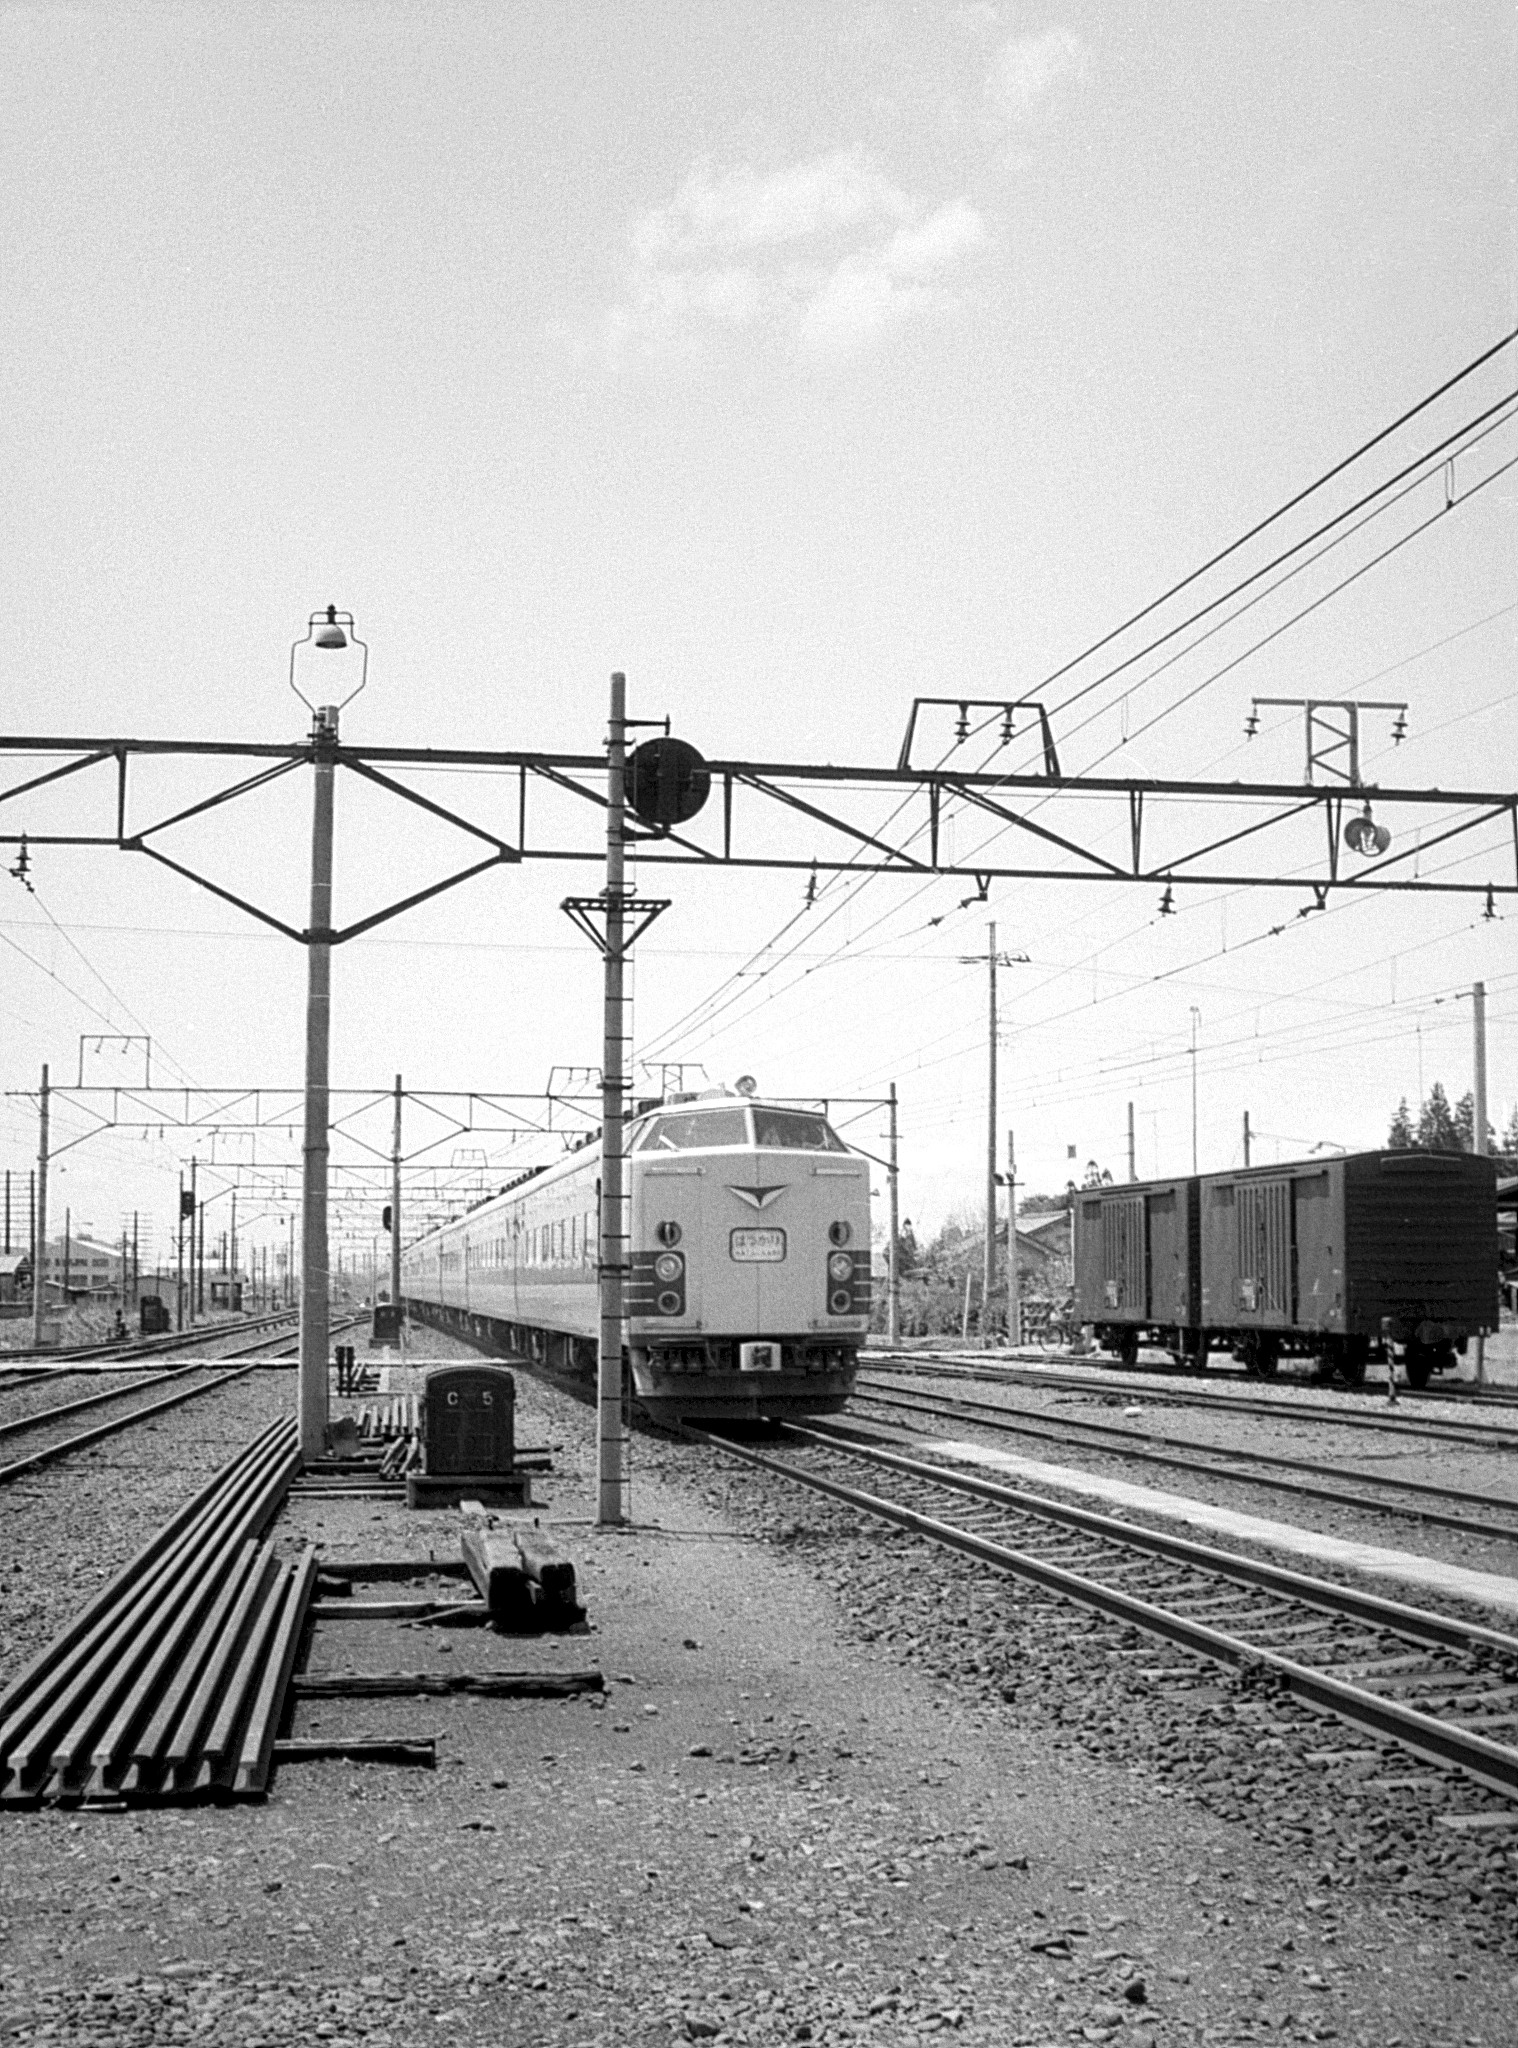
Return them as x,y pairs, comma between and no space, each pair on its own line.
1044,1220
12,1262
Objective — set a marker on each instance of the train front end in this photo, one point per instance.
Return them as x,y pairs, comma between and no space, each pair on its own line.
749,1289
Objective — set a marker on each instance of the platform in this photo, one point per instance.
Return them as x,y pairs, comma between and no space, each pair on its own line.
1491,1590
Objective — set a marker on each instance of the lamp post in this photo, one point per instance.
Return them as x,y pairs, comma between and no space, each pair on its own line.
330,631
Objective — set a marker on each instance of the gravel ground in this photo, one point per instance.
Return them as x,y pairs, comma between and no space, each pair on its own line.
841,1788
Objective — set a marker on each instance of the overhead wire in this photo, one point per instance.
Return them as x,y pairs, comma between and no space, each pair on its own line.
689,1023
1290,505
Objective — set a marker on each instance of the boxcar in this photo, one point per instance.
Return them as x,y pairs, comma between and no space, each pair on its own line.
1378,1255
1137,1272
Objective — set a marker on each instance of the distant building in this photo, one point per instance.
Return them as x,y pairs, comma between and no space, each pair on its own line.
1043,1251
82,1267
15,1280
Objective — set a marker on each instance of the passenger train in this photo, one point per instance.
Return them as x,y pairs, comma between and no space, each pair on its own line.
748,1290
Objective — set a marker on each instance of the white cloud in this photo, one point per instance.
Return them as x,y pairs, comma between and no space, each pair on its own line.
742,210
1026,69
822,257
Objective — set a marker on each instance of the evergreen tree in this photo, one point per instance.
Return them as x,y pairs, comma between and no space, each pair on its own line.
1436,1123
1465,1121
1510,1141
1465,1125
1400,1138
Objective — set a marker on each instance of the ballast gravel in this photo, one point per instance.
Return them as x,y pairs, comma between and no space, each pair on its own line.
840,1789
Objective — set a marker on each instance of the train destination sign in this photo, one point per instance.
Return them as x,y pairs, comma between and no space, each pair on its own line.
758,1247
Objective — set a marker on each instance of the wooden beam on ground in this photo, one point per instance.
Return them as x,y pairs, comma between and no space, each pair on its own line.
339,1685
358,1749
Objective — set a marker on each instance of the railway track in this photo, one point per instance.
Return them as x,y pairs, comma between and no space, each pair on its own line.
1443,1689
37,1365
1493,1435
1448,1507
49,1417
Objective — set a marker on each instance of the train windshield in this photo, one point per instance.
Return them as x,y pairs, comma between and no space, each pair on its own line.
791,1130
696,1131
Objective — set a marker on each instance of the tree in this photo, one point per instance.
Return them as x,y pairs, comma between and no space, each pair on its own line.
1510,1140
1401,1137
1465,1125
1436,1123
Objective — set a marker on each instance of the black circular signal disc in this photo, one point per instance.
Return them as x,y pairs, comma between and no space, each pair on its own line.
667,781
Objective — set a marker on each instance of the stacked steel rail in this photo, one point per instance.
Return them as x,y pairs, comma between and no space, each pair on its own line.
1364,1648
171,1683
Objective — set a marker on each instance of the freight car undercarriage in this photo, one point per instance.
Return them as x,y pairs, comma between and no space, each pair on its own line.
699,1380
1423,1348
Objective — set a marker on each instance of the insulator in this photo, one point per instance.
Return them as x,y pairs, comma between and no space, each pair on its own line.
1167,903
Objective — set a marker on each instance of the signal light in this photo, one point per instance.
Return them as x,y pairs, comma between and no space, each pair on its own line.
668,1266
841,1266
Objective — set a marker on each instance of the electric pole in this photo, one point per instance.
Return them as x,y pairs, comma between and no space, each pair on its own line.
993,960
988,1285
1014,1303
1196,1018
39,1228
893,1273
395,1215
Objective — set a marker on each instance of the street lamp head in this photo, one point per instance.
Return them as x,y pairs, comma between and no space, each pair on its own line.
328,632
332,630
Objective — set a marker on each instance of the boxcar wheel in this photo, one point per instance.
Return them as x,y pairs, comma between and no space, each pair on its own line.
1128,1348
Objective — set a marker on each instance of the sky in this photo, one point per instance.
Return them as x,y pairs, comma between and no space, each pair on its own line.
798,361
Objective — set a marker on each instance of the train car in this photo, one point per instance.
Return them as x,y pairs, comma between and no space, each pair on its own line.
1137,1266
1374,1256
748,1289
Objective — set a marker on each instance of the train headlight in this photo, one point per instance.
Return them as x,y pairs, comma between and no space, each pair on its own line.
668,1266
840,1301
841,1266
669,1303
840,1233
